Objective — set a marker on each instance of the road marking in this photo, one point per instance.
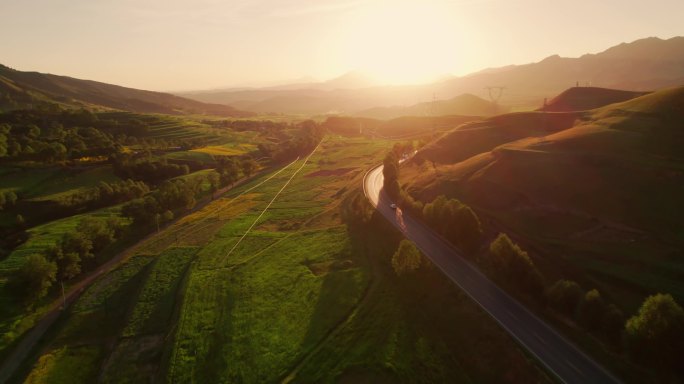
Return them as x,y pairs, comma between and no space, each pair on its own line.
575,368
539,337
513,316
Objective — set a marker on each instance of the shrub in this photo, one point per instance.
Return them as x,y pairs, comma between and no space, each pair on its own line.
656,333
564,296
406,259
511,265
591,310
36,276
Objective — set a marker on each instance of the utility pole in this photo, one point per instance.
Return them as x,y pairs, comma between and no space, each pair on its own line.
495,94
63,296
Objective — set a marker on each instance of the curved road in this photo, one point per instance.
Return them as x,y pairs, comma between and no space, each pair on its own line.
559,356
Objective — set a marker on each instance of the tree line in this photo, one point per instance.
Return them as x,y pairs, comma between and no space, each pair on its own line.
654,335
55,135
105,194
306,136
73,254
172,195
145,167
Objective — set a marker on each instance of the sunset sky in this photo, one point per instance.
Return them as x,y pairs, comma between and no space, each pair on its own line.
200,44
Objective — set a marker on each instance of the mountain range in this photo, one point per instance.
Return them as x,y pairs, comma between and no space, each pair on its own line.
643,65
640,66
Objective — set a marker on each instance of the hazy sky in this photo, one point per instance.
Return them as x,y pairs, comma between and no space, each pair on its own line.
199,44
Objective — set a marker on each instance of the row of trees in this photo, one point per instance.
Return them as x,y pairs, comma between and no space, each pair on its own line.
146,167
451,218
106,194
654,335
73,254
29,142
230,168
588,309
307,135
58,135
159,205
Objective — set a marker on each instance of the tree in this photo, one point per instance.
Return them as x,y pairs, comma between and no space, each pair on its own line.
10,198
591,310
249,166
3,140
97,231
406,259
36,276
355,210
456,221
214,180
79,243
513,266
228,169
141,210
468,229
390,172
565,296
69,265
20,221
613,323
656,332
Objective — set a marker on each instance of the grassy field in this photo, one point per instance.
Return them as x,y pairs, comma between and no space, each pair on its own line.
230,149
233,293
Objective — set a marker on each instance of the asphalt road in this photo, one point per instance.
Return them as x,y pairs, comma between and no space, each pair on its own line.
560,357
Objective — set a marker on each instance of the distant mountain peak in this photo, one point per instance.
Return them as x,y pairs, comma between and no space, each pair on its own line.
353,79
551,58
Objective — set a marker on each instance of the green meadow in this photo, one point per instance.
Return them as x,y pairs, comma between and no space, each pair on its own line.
237,293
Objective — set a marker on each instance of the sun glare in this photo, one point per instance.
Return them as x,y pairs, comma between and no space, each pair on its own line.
400,42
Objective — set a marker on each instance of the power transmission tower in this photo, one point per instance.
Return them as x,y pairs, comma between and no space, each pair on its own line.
495,94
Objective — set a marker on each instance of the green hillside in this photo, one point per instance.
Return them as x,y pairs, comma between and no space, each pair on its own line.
599,201
586,98
28,89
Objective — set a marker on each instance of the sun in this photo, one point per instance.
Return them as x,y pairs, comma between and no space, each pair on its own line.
401,42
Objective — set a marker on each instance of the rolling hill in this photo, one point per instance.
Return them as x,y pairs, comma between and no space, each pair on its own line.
586,98
598,197
24,89
465,104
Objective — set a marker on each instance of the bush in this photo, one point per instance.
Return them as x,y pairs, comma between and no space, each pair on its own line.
565,296
511,265
591,311
454,220
656,333
613,323
407,258
36,276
